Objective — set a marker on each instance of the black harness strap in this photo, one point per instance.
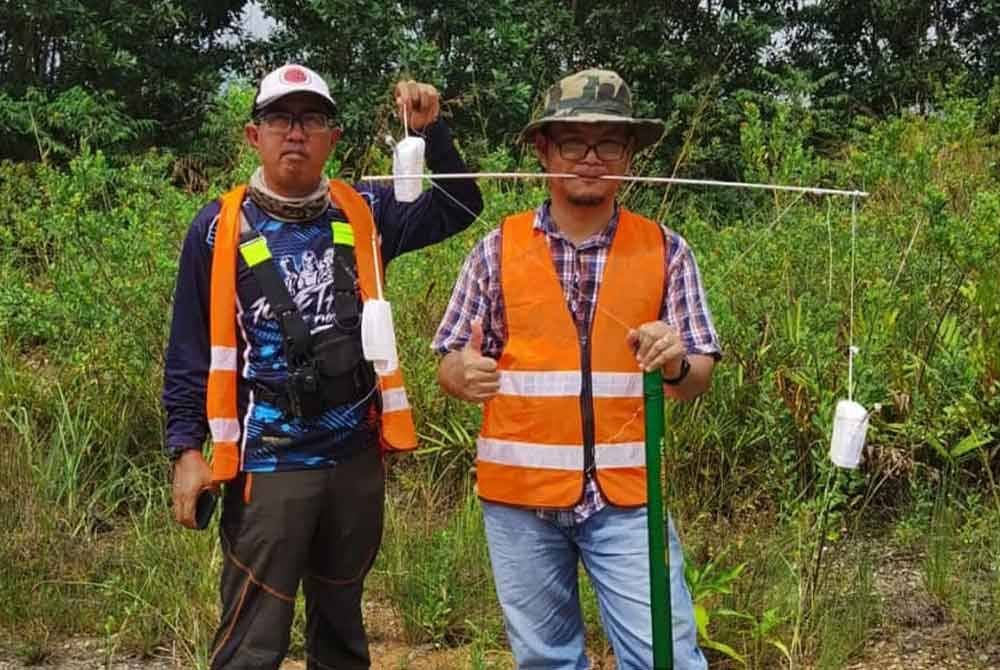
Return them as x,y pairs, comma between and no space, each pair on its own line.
297,338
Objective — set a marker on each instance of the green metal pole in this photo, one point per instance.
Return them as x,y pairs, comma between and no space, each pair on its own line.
659,558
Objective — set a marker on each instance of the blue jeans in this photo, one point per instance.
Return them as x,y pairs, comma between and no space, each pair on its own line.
535,570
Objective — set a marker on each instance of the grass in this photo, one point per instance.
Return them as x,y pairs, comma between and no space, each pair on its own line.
90,548
849,615
142,582
961,568
434,568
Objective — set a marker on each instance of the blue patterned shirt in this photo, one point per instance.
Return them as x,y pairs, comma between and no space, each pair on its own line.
271,439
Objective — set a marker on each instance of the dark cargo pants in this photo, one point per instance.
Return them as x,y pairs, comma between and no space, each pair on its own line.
320,527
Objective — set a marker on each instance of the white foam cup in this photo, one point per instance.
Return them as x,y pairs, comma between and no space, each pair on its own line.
850,423
408,159
378,337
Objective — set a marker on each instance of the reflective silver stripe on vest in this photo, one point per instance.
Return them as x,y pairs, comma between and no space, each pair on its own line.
530,455
622,455
540,384
560,456
395,400
224,430
617,384
224,358
560,383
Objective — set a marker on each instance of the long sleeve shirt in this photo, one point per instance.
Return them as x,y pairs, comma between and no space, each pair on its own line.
303,252
478,296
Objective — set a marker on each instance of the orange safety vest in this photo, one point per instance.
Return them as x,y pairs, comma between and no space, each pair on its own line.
397,431
531,449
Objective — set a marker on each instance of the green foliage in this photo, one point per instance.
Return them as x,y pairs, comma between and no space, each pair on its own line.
61,124
87,249
961,564
159,60
891,55
437,573
89,549
693,64
219,155
848,616
706,583
87,257
485,56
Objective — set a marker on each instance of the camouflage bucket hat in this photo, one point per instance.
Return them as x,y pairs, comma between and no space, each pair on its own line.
594,96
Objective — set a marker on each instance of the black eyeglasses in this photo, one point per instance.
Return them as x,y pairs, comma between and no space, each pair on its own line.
605,150
282,122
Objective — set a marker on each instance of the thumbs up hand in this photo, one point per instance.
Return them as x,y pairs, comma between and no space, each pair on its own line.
480,379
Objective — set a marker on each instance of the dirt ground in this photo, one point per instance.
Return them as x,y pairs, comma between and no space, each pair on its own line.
915,635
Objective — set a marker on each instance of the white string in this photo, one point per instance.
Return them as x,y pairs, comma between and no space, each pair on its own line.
801,190
851,349
377,264
829,239
538,261
760,238
406,125
647,180
739,184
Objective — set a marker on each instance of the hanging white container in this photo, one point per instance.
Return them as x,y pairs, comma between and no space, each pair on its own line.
407,168
850,424
378,336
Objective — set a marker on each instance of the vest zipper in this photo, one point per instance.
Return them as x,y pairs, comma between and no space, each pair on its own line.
587,407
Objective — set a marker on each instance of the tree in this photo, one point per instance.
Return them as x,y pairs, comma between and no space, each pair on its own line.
493,59
487,58
887,55
162,60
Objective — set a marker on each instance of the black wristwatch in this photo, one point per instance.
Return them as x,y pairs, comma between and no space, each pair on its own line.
685,369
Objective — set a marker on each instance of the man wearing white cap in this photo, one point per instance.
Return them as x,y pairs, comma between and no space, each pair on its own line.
265,356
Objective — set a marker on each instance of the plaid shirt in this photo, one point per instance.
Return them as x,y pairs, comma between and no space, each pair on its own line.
477,296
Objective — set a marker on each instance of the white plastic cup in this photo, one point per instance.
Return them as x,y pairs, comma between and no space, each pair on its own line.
408,159
850,423
378,337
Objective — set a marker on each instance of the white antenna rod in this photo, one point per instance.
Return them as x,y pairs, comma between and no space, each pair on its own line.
474,175
647,180
739,184
851,349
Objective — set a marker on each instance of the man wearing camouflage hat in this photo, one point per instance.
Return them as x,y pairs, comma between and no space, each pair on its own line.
552,322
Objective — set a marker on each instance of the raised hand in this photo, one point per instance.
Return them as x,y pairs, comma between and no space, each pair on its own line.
421,102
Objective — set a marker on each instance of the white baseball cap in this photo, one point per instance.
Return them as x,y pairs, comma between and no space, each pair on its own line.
289,79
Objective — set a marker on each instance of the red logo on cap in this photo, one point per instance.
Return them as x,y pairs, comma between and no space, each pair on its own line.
294,75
